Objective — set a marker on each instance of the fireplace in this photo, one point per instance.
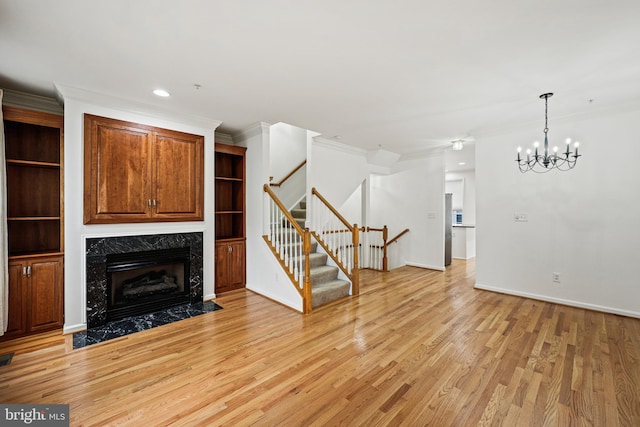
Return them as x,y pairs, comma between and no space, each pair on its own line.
129,275
141,282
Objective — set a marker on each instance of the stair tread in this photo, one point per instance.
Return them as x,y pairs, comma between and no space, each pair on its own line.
337,283
322,269
299,213
329,291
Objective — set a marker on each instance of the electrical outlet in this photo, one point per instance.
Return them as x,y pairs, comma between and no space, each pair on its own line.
521,217
556,277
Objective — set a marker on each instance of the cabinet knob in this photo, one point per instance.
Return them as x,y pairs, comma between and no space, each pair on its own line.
149,202
230,249
29,271
24,271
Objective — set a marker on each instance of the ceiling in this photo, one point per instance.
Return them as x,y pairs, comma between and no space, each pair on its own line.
400,76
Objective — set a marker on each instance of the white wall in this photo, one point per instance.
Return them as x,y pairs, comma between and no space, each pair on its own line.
335,170
412,197
264,274
76,103
351,209
581,223
287,149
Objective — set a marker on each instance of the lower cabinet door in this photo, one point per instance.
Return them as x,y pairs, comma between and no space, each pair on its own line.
17,324
35,295
230,266
236,265
45,294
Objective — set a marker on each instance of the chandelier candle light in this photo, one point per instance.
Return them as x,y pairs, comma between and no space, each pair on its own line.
541,163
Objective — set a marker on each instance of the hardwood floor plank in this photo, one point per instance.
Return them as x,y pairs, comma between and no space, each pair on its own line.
417,347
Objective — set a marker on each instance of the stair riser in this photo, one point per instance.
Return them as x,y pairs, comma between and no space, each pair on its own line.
319,276
329,292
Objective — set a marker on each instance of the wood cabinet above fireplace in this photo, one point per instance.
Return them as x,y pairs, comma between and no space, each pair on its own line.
138,173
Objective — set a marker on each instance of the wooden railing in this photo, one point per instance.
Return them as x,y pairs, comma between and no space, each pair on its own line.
374,251
395,239
374,256
289,175
291,245
338,238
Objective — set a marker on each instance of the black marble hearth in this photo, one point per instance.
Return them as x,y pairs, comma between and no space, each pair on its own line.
129,325
97,250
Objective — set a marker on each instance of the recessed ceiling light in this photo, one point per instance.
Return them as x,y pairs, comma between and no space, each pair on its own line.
462,163
161,92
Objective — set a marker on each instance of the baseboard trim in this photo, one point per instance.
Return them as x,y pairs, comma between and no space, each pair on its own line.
208,297
560,301
71,329
289,304
428,267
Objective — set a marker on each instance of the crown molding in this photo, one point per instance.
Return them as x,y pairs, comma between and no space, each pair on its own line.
66,92
257,129
223,138
333,145
31,102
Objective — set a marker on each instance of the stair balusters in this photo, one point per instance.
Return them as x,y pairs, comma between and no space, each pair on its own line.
291,245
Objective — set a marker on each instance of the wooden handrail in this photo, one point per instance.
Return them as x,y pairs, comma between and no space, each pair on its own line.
354,275
305,292
284,210
289,175
395,239
331,208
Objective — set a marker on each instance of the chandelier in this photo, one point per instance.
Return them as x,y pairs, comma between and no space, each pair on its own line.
541,163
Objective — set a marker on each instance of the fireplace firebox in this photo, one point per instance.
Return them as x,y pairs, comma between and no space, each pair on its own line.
146,281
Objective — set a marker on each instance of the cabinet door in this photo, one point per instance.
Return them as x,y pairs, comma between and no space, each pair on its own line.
179,189
222,283
45,294
236,267
230,266
117,171
17,324
138,173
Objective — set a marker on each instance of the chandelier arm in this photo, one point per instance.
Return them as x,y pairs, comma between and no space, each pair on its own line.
544,163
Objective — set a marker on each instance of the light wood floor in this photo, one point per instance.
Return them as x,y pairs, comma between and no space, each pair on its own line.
418,347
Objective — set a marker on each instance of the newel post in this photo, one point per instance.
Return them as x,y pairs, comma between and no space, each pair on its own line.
355,273
385,236
307,303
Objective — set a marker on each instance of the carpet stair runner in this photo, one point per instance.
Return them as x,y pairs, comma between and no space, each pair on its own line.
325,285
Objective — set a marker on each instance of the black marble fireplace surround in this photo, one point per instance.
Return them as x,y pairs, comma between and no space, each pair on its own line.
97,250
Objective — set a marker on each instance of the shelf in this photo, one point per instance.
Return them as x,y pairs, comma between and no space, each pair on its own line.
33,254
37,143
228,178
34,237
32,163
228,212
34,218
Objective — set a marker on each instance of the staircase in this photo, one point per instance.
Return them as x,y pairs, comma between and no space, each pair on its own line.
325,285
